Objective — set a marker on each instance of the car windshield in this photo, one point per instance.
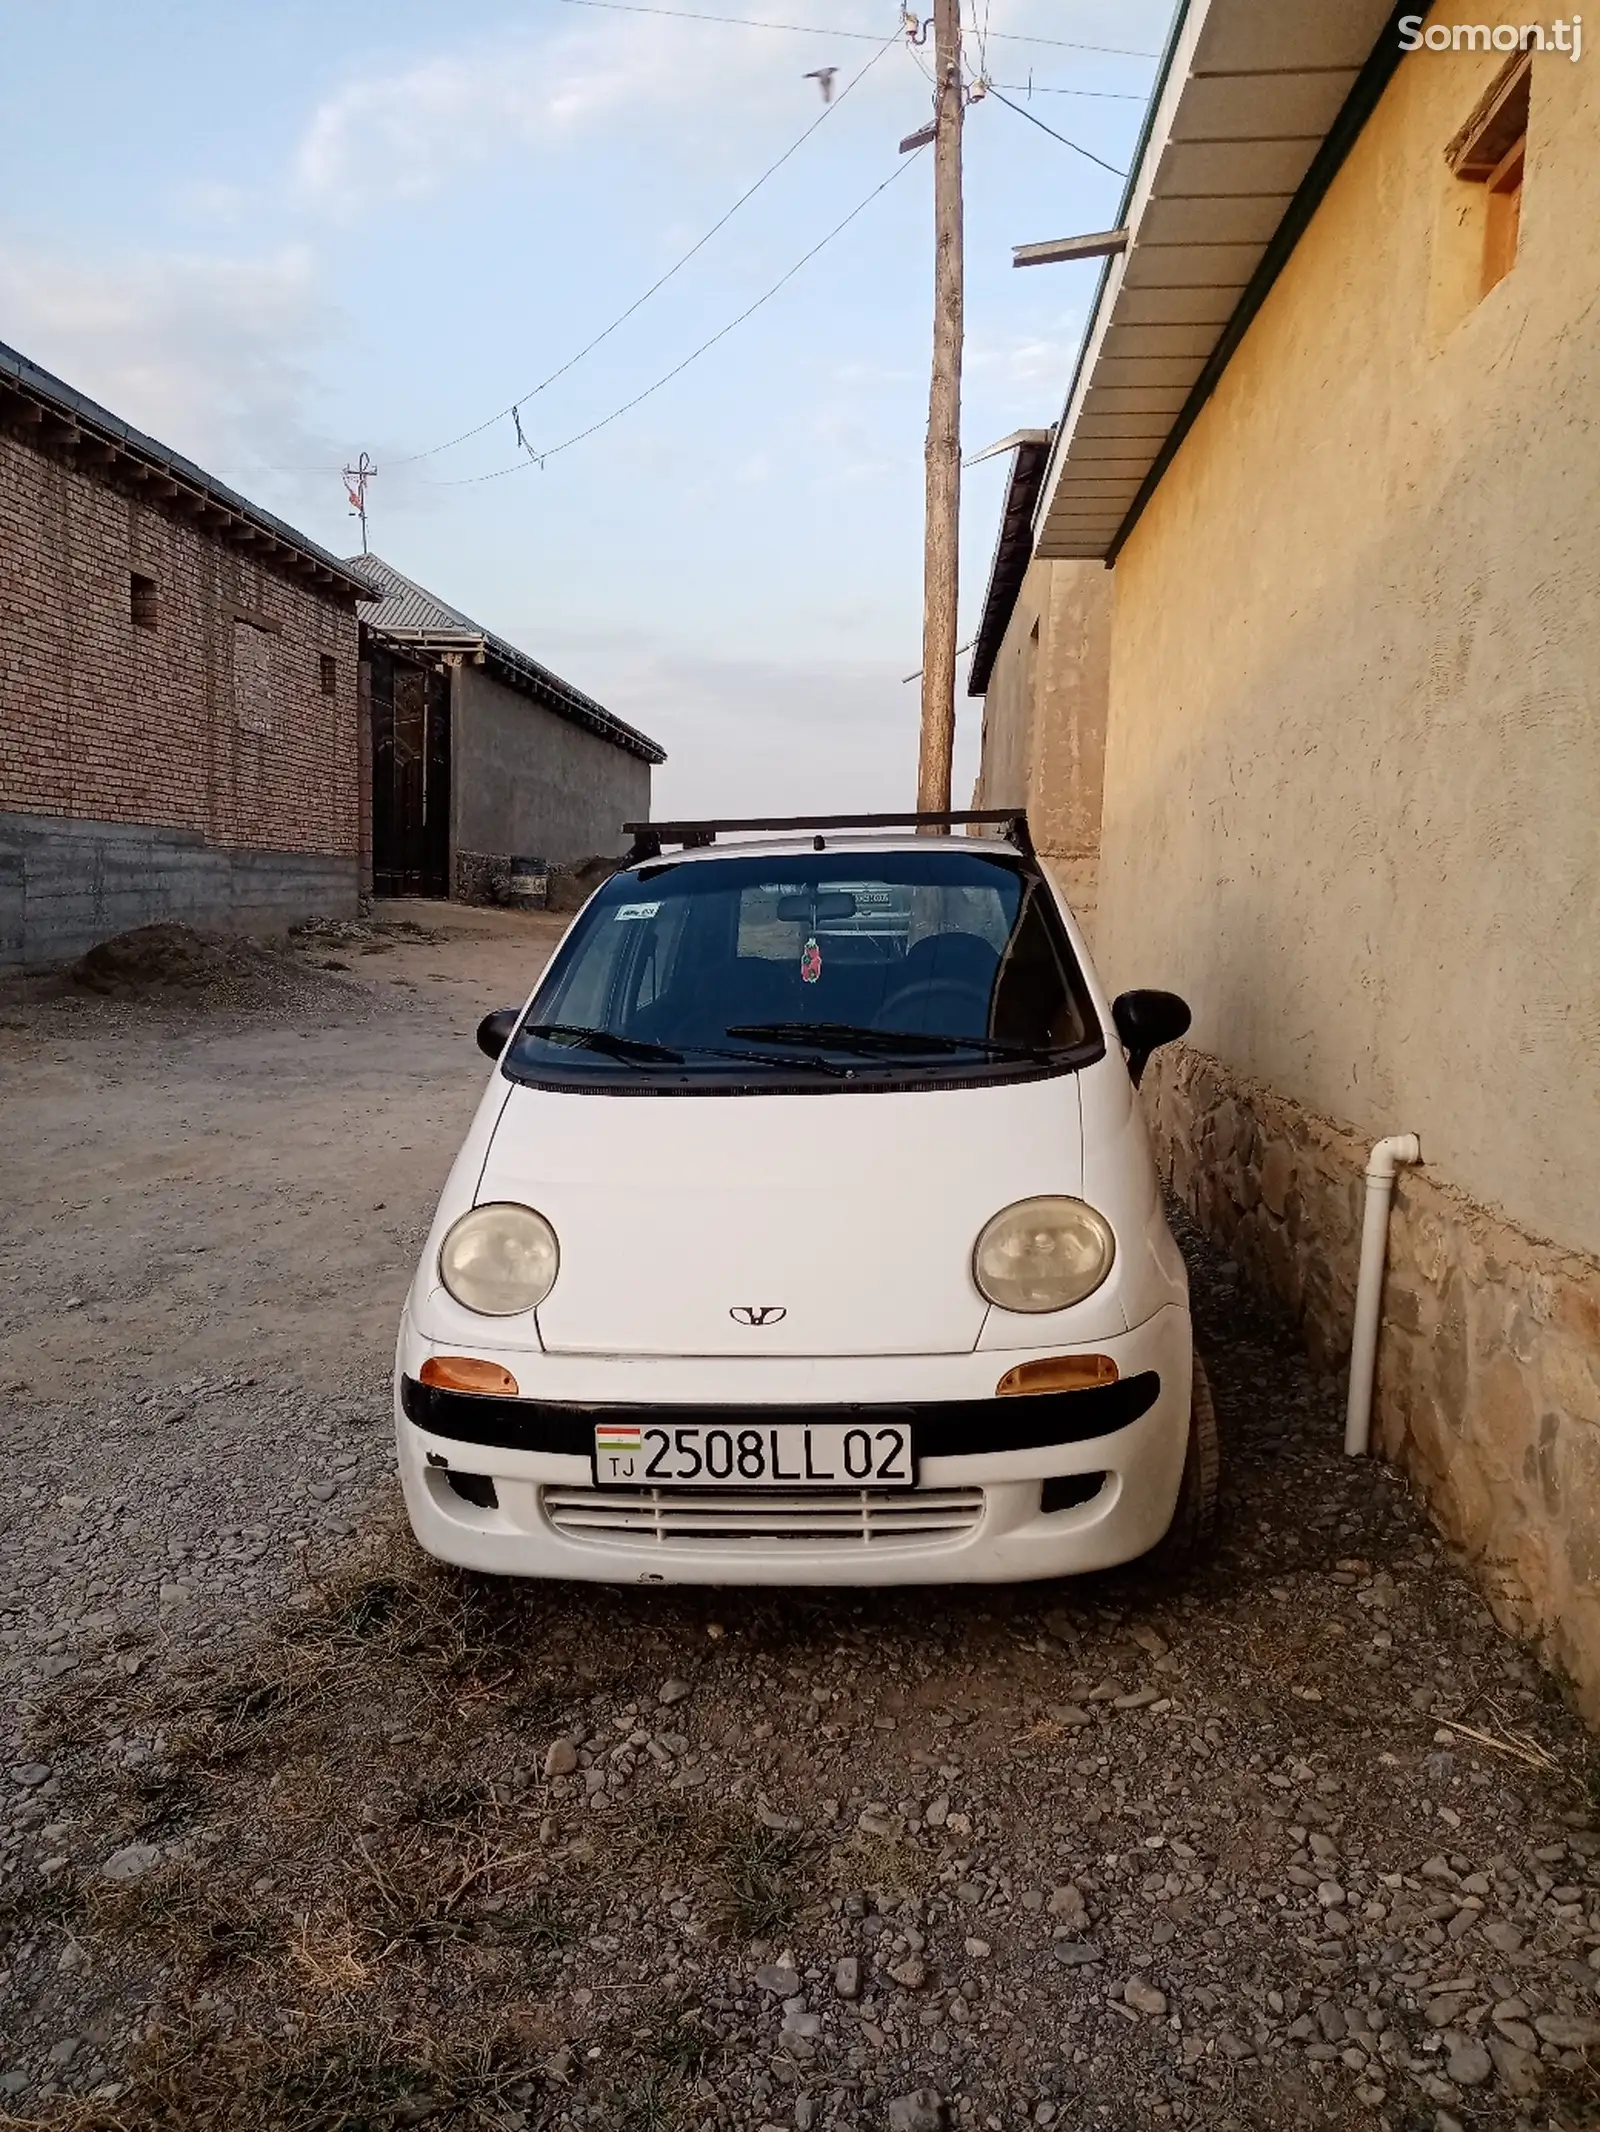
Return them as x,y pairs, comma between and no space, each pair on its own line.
826,970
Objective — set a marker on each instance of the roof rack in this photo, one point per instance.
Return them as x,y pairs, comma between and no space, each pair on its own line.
648,837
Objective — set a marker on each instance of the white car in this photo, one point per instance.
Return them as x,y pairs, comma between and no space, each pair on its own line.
808,1233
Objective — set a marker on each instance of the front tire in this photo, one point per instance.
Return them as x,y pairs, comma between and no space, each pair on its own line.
1189,1537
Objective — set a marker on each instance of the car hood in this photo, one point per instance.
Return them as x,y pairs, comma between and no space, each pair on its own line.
847,1221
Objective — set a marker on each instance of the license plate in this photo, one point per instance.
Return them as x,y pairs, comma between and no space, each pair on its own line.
784,1454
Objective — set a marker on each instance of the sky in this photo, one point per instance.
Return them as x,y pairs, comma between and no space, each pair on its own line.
276,235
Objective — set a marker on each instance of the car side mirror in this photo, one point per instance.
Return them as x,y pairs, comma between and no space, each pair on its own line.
494,1031
1146,1020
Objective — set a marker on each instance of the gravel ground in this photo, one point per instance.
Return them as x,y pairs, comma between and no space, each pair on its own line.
298,1830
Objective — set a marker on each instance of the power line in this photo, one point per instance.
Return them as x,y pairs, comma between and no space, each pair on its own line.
1042,88
639,301
811,29
518,466
980,35
1075,146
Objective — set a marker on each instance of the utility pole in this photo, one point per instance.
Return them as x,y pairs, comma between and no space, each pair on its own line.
943,459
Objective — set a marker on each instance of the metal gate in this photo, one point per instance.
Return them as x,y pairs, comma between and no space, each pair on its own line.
410,777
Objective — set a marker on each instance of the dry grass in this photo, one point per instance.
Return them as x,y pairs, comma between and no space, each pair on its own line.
656,2068
343,2078
327,1957
890,1867
756,1875
203,1929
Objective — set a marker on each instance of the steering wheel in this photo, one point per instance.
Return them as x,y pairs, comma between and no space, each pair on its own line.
971,1003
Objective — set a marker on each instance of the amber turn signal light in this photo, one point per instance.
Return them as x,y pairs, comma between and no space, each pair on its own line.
1062,1373
460,1373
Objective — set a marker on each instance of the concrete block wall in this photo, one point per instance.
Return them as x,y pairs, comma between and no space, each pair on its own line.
104,722
527,784
65,885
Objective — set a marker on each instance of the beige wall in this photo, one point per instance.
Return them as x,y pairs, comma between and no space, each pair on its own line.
1354,756
1044,720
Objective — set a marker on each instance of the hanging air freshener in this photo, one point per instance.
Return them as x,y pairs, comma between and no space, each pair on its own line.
810,962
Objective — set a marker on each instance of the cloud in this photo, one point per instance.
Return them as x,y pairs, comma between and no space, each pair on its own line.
405,133
747,736
1023,358
212,356
396,137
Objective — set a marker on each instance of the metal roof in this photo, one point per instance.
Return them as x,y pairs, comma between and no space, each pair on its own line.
72,422
408,615
1013,551
1257,105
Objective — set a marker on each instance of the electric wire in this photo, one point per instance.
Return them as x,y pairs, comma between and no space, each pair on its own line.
811,29
519,466
982,35
1076,146
513,410
660,283
1042,88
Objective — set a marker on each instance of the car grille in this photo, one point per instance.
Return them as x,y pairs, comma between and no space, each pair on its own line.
718,1518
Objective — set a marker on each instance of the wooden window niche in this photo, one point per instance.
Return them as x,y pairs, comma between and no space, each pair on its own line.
328,668
1490,151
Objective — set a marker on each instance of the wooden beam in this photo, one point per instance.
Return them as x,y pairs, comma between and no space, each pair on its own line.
1099,244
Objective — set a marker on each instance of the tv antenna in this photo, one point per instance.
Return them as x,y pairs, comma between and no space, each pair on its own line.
355,487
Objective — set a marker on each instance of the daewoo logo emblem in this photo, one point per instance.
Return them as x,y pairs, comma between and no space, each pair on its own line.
757,1313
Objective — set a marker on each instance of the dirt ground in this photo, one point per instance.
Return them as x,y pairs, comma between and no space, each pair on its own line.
300,1831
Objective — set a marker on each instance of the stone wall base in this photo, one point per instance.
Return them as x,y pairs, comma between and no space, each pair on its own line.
496,877
1489,1360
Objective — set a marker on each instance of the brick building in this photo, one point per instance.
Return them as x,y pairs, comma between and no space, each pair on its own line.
178,704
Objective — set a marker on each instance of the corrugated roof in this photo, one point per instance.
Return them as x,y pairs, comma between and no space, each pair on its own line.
80,421
407,614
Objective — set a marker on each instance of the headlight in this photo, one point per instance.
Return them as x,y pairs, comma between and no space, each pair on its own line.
499,1260
1043,1254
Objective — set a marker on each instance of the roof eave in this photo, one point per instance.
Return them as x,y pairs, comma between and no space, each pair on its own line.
516,669
1013,552
1132,401
73,421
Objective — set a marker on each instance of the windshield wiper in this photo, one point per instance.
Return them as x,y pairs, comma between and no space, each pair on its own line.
771,1058
640,1051
633,1050
847,1036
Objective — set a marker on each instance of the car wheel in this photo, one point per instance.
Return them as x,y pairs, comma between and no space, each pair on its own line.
1188,1538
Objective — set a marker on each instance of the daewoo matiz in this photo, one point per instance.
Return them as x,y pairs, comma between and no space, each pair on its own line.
808,1233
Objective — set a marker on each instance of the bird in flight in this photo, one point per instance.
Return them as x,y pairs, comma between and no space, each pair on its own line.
823,77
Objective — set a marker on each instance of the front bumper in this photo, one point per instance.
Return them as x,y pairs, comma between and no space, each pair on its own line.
975,1516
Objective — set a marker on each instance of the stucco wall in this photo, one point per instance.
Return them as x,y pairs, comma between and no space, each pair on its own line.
1044,719
529,784
1354,752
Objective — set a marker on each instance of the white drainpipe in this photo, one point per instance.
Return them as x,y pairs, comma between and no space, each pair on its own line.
1382,1163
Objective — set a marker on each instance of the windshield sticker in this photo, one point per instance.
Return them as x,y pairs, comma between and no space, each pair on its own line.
810,962
634,910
